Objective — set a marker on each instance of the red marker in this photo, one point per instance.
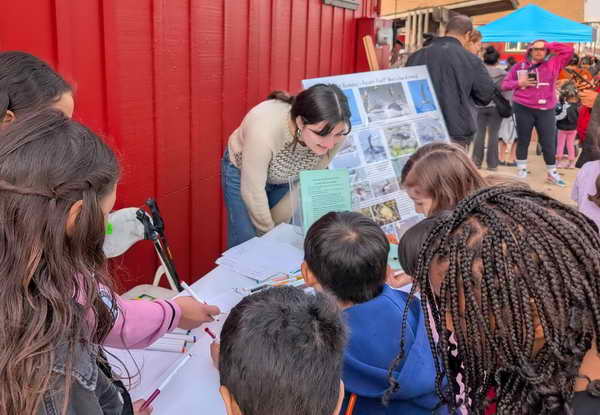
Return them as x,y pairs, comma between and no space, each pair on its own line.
165,382
210,333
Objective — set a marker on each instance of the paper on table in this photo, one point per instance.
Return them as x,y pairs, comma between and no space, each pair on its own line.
324,191
250,259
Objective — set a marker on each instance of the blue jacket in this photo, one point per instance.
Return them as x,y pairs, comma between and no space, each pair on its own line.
375,330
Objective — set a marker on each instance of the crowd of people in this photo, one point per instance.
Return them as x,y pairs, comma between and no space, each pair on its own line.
504,311
550,92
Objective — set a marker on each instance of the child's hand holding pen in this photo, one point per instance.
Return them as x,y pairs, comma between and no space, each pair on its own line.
194,313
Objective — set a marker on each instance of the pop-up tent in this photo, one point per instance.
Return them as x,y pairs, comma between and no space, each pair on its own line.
532,23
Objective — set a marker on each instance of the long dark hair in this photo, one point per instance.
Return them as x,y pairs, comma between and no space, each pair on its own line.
50,277
596,197
507,263
320,102
27,83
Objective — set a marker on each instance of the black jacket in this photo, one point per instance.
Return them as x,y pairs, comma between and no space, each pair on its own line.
567,116
459,79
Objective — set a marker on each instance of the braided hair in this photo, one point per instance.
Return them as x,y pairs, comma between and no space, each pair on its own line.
512,274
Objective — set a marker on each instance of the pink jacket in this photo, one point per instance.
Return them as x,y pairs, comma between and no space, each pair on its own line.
543,96
141,322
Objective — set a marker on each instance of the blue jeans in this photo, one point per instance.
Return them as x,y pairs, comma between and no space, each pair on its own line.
239,226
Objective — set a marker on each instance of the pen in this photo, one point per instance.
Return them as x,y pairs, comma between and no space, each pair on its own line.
191,292
165,382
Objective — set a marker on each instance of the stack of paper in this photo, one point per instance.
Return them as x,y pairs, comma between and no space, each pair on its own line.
262,258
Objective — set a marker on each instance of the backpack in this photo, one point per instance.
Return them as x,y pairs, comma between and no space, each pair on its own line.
503,105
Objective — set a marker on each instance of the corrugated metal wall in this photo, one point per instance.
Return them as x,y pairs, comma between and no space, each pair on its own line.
167,81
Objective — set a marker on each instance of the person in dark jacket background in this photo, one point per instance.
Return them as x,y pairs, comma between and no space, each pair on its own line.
458,76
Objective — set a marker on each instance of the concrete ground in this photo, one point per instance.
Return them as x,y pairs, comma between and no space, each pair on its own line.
537,177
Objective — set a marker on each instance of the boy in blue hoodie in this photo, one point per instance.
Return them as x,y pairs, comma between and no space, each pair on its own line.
346,255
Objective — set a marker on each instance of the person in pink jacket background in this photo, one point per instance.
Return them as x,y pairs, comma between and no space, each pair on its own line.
534,100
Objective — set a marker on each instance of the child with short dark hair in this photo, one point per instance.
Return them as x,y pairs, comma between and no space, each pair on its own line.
281,354
346,255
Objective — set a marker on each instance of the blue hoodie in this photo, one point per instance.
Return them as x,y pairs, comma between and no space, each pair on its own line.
375,330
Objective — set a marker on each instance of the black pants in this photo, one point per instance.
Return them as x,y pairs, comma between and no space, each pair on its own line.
488,121
544,122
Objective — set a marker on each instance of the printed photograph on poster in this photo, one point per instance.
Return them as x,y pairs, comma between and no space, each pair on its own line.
422,96
399,164
390,230
371,144
401,139
347,156
356,119
385,187
384,102
430,129
357,175
386,212
361,192
367,212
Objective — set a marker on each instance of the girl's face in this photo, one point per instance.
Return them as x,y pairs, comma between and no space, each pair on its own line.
66,104
108,202
318,144
422,201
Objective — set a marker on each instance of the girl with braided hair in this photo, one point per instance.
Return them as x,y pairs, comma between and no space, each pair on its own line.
513,275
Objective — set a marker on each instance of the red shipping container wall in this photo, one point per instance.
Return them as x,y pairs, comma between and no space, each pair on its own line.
167,81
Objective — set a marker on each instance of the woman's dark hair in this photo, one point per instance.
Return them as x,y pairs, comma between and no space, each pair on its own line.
52,275
596,198
491,56
348,254
320,102
511,61
512,274
28,84
574,60
428,38
412,241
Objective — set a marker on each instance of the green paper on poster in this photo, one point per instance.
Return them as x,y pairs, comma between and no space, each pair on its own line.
324,191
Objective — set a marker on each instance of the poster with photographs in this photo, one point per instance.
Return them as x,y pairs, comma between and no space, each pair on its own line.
394,112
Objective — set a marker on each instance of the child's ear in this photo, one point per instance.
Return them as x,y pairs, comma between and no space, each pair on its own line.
9,117
340,398
74,212
231,405
307,274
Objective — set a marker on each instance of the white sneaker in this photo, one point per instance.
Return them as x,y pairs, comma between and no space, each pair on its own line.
555,179
522,173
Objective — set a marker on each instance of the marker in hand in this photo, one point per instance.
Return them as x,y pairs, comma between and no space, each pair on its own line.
165,382
191,292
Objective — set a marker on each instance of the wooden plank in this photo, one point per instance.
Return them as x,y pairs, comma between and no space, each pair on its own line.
337,40
326,30
371,53
235,65
349,44
172,102
130,113
313,38
206,61
280,44
298,46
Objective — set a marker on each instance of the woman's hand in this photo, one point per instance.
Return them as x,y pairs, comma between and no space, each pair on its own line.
193,313
215,353
588,97
526,83
138,404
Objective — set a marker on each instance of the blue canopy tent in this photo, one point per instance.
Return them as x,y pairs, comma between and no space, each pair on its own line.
532,23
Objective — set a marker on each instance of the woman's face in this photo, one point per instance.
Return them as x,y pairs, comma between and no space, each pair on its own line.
422,201
318,144
474,47
539,51
66,104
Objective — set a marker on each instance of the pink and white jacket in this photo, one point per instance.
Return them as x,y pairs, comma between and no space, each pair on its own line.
543,96
141,322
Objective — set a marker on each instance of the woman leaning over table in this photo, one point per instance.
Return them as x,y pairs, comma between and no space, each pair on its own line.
276,140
